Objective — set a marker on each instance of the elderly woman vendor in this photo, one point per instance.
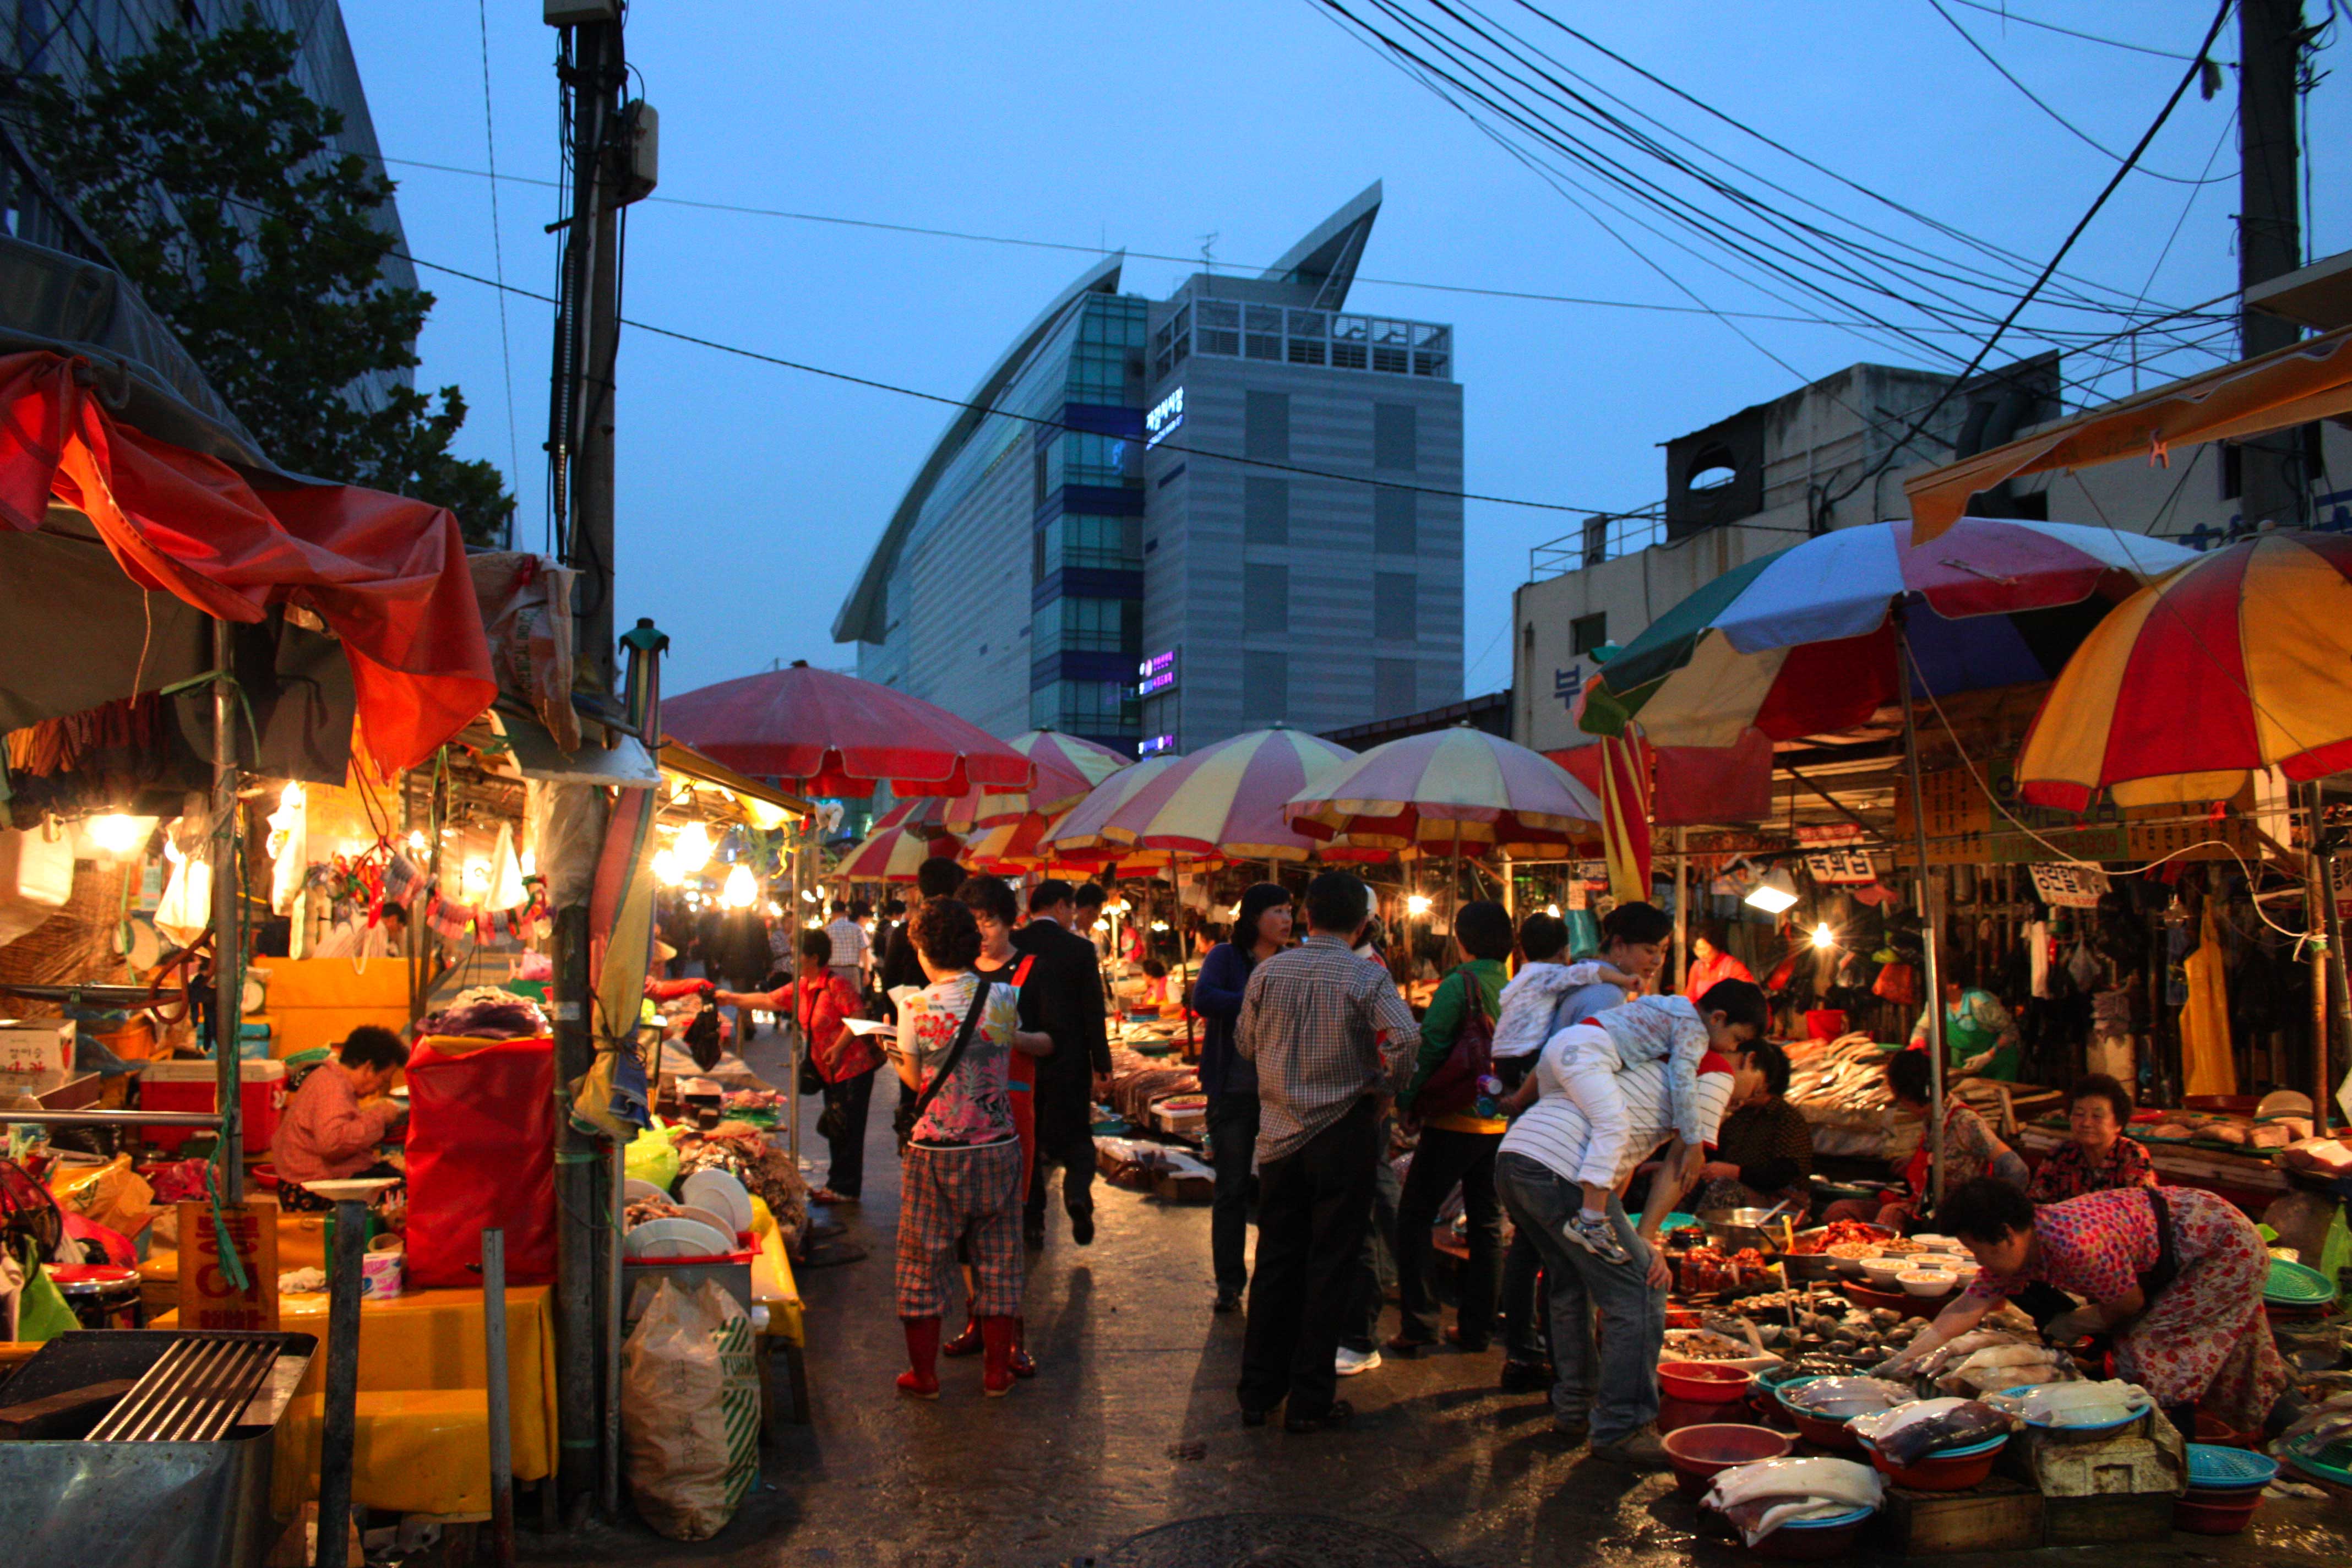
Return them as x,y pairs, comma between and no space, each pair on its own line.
2173,1273
2096,1156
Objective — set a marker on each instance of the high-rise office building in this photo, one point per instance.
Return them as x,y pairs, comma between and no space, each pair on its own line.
1163,522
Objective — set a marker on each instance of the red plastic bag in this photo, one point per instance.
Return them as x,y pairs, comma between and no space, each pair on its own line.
481,1153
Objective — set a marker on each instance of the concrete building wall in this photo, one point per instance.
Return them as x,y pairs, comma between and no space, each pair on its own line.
967,583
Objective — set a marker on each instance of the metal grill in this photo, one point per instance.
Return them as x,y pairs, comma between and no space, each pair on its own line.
194,1394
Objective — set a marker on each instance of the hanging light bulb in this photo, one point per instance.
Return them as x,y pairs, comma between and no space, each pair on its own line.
693,848
742,887
1416,905
417,843
1823,937
477,877
1552,909
1159,925
120,834
666,869
775,909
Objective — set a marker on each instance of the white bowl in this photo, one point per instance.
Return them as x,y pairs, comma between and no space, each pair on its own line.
1925,1281
721,1194
1883,1272
675,1238
1945,1244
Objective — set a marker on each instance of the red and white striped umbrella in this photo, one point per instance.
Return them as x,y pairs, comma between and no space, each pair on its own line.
1067,769
1226,799
822,733
901,839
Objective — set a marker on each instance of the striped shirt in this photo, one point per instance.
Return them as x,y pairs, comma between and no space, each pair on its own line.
850,942
1325,1028
1553,1132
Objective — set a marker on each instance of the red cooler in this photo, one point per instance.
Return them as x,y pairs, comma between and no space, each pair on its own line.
190,1086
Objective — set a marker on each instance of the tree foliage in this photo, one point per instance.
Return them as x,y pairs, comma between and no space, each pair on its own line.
213,179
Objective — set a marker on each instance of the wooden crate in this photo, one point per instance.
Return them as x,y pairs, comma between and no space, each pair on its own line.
2105,1520
2001,1515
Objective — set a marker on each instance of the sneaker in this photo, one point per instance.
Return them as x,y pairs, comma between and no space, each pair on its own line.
1348,1363
1597,1236
1405,1349
1638,1449
1570,1434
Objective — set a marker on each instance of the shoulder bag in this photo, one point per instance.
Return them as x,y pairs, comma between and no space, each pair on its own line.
1453,1087
910,1111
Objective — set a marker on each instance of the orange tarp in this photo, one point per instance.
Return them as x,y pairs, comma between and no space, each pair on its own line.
2312,380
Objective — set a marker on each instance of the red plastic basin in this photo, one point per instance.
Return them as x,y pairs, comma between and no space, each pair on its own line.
1823,1433
1705,1383
2199,1516
1699,1453
1939,1472
1797,1544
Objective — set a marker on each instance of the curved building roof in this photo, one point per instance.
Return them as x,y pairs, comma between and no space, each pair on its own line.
1326,259
861,616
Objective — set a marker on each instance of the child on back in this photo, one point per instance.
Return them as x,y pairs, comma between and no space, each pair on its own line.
1672,1031
1523,1022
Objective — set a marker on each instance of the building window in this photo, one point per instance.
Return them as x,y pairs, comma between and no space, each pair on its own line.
1109,543
1265,688
1586,633
1266,599
1396,440
1085,708
1396,520
1265,510
1075,624
1396,609
1393,688
1266,426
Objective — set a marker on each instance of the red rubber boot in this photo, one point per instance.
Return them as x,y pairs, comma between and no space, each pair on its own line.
965,1343
996,1359
922,1380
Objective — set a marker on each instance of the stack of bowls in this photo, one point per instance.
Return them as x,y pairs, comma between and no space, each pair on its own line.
2225,1487
1953,1470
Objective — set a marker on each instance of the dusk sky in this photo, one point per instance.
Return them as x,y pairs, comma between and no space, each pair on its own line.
751,495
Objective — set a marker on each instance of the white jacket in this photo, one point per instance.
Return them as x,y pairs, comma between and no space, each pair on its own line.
1529,1001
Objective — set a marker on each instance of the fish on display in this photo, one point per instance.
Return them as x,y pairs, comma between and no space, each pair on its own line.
1910,1432
2076,1404
1839,1398
1763,1497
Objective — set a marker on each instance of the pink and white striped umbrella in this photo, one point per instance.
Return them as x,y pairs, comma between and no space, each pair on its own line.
1450,787
1069,767
1226,799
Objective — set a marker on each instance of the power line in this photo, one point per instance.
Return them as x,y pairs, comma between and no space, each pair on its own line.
2006,14
1037,419
2221,15
1022,242
2030,96
497,250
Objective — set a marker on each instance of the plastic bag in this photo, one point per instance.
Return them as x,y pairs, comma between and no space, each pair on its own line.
41,1310
112,1195
652,1157
689,1409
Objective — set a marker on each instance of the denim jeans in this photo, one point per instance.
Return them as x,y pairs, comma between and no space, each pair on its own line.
1618,1394
1376,1271
1445,1159
1233,1136
1312,1208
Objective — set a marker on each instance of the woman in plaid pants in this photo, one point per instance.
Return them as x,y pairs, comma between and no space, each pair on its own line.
962,1180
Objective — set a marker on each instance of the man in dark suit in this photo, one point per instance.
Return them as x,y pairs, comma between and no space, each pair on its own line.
1069,981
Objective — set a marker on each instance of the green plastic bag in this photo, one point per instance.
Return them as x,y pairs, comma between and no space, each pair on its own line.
651,1157
41,1310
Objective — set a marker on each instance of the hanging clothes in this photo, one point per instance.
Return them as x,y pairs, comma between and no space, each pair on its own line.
2209,1067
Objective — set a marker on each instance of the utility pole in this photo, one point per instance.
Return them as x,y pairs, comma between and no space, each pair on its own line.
2275,489
613,151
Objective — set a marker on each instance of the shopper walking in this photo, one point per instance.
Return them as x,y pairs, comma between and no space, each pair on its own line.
851,946
1069,982
1458,1143
1312,1021
962,1180
936,877
1261,930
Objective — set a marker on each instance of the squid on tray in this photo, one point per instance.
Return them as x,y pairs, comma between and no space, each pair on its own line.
2074,1403
2008,1366
1839,1398
1910,1432
1763,1497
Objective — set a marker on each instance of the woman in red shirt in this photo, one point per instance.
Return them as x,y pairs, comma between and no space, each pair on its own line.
1709,963
821,1002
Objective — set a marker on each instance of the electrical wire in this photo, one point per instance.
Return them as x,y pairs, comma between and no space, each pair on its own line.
2038,102
1036,419
2007,15
497,249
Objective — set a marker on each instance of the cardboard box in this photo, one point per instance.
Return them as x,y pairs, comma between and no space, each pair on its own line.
41,1045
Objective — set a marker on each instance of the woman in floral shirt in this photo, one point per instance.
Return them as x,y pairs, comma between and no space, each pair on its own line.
2099,1158
962,1179
2174,1274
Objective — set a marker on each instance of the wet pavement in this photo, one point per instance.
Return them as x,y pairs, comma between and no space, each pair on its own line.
1131,1427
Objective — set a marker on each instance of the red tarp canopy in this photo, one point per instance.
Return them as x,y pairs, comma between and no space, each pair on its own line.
387,575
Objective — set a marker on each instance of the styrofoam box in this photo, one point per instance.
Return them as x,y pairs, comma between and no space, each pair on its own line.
45,1045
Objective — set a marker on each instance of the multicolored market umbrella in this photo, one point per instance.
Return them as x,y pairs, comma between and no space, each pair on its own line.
2239,661
900,840
1069,767
820,732
1080,828
1227,799
1446,789
1803,641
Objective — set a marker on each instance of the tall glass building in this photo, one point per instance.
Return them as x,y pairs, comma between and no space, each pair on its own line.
1161,523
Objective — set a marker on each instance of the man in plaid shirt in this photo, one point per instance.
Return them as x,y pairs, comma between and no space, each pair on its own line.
1331,1039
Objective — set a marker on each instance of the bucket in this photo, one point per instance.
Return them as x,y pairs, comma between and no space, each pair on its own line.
380,1270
